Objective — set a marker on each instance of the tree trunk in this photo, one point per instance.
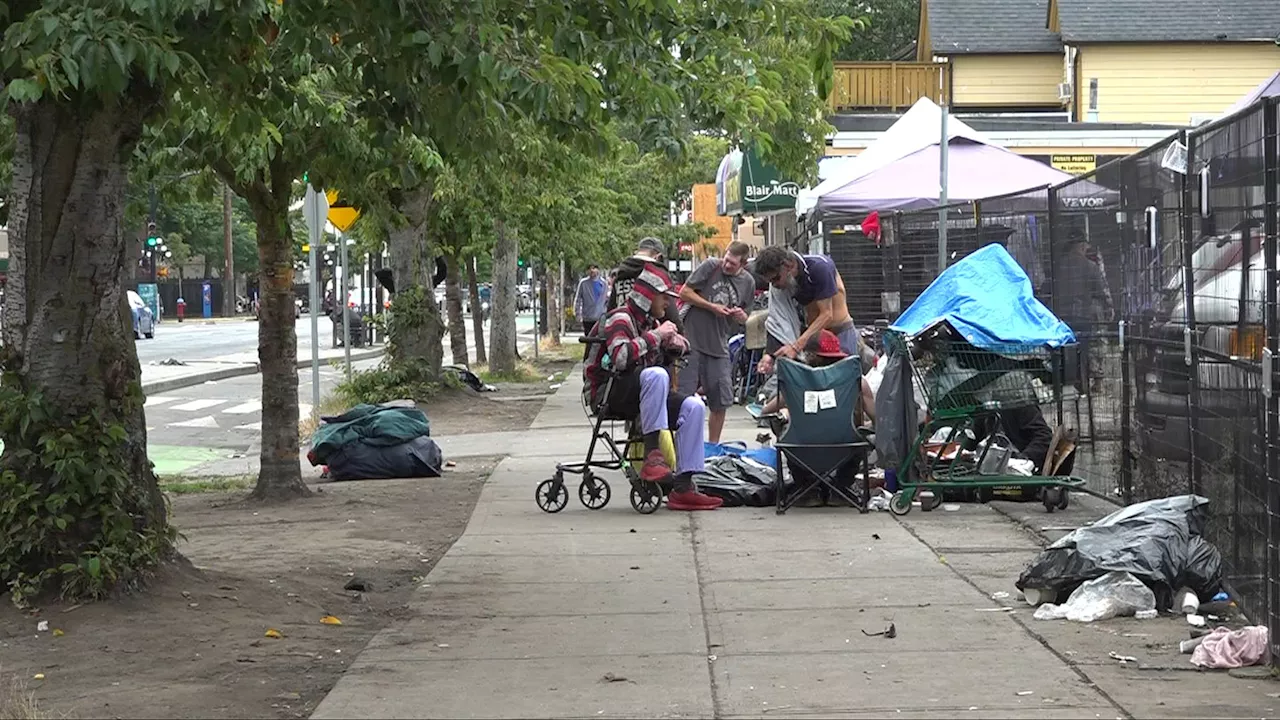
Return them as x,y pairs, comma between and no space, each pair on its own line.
68,338
453,307
555,307
280,471
506,251
414,328
477,319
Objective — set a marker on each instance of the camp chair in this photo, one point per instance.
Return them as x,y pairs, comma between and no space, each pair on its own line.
821,439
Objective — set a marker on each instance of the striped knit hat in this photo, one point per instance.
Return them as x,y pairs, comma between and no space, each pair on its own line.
651,282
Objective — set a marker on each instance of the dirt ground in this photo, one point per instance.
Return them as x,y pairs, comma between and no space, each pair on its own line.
195,645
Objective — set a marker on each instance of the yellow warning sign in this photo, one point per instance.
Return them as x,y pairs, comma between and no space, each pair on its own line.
1074,164
342,216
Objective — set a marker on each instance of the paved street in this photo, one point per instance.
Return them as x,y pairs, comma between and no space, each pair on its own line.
206,340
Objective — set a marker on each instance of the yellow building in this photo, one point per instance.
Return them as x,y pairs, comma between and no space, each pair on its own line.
1118,61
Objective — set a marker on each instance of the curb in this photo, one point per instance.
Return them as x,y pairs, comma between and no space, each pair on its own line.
163,386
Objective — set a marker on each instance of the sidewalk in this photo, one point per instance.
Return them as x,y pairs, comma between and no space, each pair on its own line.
741,613
166,378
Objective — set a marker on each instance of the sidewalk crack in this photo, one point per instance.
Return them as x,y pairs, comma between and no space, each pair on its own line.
708,614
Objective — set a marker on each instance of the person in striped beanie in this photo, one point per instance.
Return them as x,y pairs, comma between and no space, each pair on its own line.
635,348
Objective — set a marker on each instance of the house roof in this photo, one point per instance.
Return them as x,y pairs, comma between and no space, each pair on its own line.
1095,21
959,27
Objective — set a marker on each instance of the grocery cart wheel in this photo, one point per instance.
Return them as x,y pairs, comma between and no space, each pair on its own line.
646,501
1052,498
552,495
899,504
1065,502
593,491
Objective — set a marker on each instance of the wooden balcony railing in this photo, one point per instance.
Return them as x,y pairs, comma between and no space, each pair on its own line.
887,85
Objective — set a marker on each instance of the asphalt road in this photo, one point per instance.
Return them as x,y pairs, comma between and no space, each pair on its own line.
204,340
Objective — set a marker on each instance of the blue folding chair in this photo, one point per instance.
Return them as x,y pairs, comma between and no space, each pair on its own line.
822,442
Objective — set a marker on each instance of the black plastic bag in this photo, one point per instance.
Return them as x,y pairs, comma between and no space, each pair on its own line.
419,457
737,481
1159,541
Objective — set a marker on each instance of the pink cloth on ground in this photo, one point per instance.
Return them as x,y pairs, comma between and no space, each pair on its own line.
1224,648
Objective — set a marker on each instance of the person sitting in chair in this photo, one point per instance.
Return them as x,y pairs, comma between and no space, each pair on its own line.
827,352
635,345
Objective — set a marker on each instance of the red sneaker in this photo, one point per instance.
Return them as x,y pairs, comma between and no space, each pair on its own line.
692,500
655,467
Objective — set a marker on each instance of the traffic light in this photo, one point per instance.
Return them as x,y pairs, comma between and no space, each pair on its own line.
520,262
153,237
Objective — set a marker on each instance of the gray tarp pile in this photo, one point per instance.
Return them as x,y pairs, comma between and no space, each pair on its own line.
1159,542
376,442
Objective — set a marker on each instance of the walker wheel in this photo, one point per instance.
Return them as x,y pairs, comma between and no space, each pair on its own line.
594,492
646,501
552,495
899,504
931,503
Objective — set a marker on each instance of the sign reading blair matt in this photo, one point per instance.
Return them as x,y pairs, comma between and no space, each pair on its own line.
746,185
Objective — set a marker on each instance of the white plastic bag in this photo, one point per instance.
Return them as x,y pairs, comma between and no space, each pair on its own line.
1116,594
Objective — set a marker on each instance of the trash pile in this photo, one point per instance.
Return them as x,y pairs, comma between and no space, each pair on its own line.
739,476
1159,542
377,442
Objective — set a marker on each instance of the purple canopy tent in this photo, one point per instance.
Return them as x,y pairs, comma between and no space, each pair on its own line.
900,171
974,171
1267,88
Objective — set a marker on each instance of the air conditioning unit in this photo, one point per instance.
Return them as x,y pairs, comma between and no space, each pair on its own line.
1065,91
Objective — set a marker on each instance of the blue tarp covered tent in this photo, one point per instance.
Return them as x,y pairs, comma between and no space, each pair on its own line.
987,298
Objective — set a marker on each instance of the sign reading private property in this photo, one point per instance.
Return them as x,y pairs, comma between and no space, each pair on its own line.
1074,164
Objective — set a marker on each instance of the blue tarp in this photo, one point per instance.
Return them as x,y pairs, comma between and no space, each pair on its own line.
987,298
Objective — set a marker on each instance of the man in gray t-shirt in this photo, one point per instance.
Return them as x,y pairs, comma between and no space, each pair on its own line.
716,296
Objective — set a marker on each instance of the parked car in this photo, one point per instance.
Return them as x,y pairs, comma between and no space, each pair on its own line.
144,323
1230,339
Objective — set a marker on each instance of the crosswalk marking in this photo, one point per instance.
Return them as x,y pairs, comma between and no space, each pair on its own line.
195,405
201,422
251,426
304,410
252,406
161,400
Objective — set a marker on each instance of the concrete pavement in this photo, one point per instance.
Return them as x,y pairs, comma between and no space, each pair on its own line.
741,613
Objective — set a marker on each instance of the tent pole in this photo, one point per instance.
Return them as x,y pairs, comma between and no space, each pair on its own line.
943,147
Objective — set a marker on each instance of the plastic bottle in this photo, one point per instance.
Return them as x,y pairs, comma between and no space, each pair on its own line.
1187,601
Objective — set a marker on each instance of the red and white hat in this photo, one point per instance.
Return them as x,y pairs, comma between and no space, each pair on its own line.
651,282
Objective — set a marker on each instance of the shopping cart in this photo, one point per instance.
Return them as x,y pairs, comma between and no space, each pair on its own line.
966,390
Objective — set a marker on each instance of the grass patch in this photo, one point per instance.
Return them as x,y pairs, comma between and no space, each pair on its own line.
184,485
332,404
19,702
524,372
409,380
551,351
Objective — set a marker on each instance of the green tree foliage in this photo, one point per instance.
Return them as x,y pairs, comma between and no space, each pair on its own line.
883,27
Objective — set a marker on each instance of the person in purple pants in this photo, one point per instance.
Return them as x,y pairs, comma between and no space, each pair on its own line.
635,346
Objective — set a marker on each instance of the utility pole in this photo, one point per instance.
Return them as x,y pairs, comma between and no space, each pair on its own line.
229,265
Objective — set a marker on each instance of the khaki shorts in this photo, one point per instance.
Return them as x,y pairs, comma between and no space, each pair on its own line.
712,374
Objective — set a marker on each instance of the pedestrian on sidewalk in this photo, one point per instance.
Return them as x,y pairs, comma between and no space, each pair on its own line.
590,299
636,346
716,295
649,250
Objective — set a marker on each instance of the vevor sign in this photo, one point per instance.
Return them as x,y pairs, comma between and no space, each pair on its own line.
1083,203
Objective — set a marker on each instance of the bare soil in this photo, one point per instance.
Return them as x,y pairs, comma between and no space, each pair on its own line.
194,644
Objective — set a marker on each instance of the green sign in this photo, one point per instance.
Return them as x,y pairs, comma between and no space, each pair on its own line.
751,186
151,298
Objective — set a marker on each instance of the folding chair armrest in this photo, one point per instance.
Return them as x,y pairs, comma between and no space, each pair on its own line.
855,444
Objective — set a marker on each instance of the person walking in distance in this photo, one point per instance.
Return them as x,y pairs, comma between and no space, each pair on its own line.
590,299
716,295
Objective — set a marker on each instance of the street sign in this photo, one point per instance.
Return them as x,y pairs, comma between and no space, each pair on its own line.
150,295
315,209
342,215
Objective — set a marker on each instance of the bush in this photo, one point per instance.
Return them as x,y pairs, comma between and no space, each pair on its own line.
72,512
405,379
